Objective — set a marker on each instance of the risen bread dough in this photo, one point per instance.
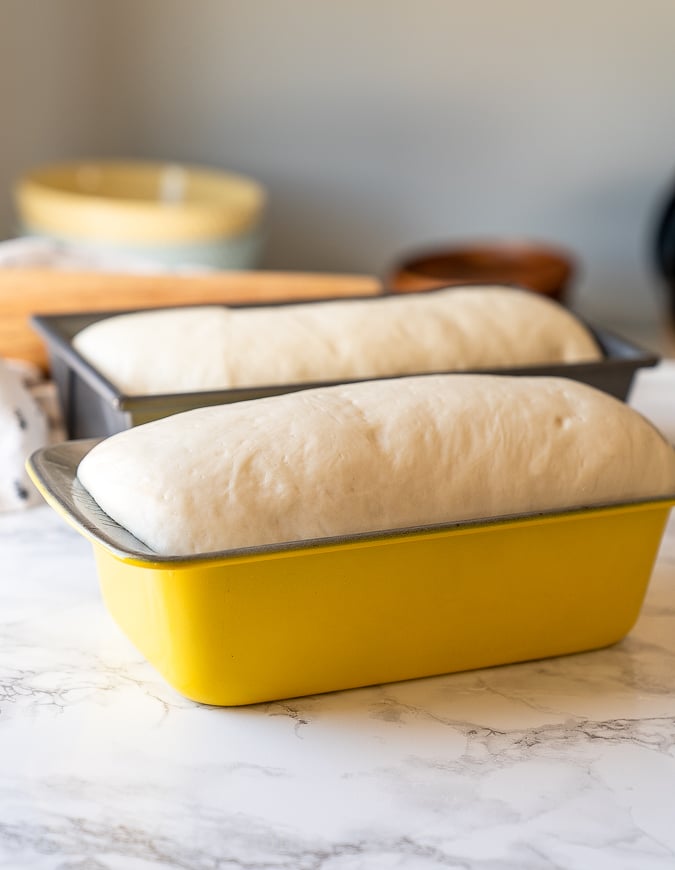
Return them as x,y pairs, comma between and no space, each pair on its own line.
207,348
374,455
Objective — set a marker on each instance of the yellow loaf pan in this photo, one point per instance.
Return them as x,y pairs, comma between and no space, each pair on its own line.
273,622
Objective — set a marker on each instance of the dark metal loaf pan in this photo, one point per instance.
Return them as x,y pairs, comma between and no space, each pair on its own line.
94,408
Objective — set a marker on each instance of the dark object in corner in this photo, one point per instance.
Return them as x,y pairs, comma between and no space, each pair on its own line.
665,250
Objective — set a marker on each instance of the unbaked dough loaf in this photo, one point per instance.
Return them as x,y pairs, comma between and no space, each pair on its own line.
374,455
208,348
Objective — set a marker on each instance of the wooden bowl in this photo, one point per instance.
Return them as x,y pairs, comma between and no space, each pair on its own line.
533,265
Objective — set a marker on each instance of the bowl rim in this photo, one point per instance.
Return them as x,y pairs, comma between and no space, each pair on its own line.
497,244
48,207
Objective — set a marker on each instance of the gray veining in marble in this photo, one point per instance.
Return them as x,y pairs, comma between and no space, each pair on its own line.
563,763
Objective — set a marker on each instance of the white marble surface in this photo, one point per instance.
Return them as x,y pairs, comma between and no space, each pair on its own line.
564,763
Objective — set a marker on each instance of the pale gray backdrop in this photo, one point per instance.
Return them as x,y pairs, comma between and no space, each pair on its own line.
375,124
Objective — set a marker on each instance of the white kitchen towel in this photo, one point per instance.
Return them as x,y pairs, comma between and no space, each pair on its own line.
653,394
23,429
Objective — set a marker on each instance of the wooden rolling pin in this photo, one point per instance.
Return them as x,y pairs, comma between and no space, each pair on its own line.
24,292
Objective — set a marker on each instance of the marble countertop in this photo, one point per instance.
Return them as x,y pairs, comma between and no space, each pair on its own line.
563,763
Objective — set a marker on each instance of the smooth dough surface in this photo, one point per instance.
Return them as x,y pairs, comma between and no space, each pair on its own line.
213,347
372,456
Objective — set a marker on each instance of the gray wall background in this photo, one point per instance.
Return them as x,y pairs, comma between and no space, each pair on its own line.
376,125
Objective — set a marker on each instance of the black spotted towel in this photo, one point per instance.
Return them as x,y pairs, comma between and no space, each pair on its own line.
24,427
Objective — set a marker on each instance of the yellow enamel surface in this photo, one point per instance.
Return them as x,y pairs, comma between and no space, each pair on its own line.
259,627
138,202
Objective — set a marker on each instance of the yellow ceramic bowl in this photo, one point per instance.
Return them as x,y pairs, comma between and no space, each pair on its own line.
274,622
152,209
